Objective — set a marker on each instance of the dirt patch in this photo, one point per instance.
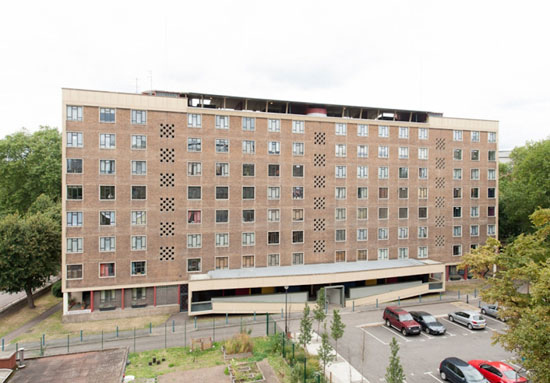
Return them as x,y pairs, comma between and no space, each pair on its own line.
267,370
210,374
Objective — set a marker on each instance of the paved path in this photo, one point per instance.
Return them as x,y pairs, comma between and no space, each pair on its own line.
7,299
27,326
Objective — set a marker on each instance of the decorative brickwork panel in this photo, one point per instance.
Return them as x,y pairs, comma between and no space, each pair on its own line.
320,138
167,253
319,246
440,183
319,160
166,229
167,130
440,221
440,202
319,224
319,182
440,143
440,240
167,155
440,163
167,204
167,180
319,203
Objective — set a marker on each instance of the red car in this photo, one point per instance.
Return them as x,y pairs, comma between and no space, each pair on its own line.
401,320
497,372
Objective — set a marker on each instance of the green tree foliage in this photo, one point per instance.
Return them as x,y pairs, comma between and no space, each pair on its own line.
523,187
337,327
30,248
305,328
319,309
394,372
325,350
521,287
30,165
482,260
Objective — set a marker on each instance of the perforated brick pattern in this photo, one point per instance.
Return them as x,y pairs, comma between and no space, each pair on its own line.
167,204
440,163
167,180
319,182
166,229
440,221
319,203
440,183
440,202
167,130
167,155
319,160
440,143
167,253
440,240
319,246
319,224
320,138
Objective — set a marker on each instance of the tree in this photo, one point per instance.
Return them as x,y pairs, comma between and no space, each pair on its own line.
394,372
481,261
319,309
337,327
325,350
30,165
305,328
520,286
30,248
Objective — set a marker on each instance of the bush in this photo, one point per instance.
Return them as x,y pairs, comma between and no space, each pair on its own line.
239,344
56,289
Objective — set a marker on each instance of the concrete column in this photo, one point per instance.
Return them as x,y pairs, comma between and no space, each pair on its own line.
91,301
465,272
122,299
155,296
65,303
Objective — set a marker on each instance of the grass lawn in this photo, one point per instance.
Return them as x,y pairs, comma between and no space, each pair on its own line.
465,287
16,319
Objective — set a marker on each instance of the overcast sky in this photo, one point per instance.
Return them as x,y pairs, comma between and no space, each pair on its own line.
474,59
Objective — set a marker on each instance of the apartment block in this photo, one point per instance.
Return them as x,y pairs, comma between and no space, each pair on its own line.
223,204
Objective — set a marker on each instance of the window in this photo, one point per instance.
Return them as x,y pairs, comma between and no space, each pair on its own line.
362,171
107,296
193,265
139,242
362,255
362,130
474,136
298,215
403,173
383,152
422,153
340,235
107,141
74,165
272,237
194,241
139,192
341,129
422,232
297,236
248,239
74,113
107,218
474,230
194,144
222,263
106,270
457,154
340,213
474,211
491,174
249,147
457,174
422,252
403,213
383,173
193,192
457,135
382,213
106,115
107,243
403,253
491,229
194,120
457,193
273,259
403,193
139,117
297,258
248,261
139,268
422,212
194,168
249,170
222,145
273,125
361,234
297,192
491,192
457,250
474,174
423,173
74,271
139,168
249,123
298,127
248,192
340,256
362,151
194,216
422,133
457,212
491,211
222,169
492,155
362,192
492,137
75,140
297,149
383,131
422,193
403,233
139,218
340,150
457,231
106,192
222,192
273,170
273,215
383,254
106,166
273,192
274,147
222,239
222,122
340,192
222,216
403,132
74,245
297,170
474,155
139,142
362,213
383,233
74,218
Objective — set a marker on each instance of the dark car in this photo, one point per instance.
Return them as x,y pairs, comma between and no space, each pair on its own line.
401,320
458,371
429,324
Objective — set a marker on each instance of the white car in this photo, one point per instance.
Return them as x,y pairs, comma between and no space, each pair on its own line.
470,319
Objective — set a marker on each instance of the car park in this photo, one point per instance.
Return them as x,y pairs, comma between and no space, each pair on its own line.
456,370
497,372
429,324
401,320
491,310
470,319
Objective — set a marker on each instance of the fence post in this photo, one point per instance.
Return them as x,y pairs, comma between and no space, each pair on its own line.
274,327
43,339
266,324
284,352
16,348
117,331
440,295
173,325
102,339
2,344
376,302
68,343
420,298
282,317
305,361
185,333
150,327
226,318
353,307
458,294
81,338
475,293
467,299
134,339
213,329
195,322
292,350
164,334
41,348
479,303
241,323
398,301
254,316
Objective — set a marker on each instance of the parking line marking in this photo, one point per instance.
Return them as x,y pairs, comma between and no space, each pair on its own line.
430,373
426,335
399,335
458,325
370,324
384,343
494,329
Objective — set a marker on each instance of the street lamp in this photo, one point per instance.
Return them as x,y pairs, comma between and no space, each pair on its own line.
286,311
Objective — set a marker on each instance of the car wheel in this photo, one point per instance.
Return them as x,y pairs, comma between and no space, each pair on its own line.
404,331
443,375
483,311
451,318
427,330
470,326
387,322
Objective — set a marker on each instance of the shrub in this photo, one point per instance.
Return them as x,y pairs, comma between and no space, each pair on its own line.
238,344
56,289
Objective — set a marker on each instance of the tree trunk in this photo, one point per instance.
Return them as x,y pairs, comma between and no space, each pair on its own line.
30,298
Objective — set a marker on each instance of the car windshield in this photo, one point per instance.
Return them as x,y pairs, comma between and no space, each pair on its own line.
512,374
429,319
471,374
478,317
405,317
